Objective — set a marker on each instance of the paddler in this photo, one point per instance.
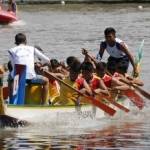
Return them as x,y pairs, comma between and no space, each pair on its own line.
67,95
12,6
58,67
24,55
118,51
95,83
71,61
111,81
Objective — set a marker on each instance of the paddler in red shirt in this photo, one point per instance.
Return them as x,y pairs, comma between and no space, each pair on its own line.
101,71
95,83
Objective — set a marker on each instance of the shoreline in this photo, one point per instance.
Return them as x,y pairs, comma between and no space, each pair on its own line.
78,1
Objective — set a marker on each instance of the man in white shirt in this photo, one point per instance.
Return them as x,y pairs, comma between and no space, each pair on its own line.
24,55
118,51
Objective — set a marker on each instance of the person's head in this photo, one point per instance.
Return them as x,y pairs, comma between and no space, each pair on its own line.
10,1
74,71
20,38
87,70
110,35
101,68
122,67
71,60
54,63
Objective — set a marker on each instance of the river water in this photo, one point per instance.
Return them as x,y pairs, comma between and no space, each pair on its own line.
62,31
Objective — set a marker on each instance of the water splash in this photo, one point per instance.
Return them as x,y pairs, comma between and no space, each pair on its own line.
17,23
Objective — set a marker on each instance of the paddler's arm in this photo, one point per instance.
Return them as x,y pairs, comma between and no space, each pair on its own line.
103,89
2,69
41,56
118,85
86,89
58,75
88,58
137,82
130,80
124,48
101,50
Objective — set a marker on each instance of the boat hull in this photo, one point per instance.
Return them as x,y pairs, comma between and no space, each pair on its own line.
35,113
7,17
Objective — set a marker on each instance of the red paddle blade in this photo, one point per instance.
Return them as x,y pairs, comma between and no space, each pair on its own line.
135,98
111,100
119,106
101,105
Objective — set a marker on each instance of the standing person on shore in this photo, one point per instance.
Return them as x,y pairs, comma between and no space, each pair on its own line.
12,6
24,55
118,51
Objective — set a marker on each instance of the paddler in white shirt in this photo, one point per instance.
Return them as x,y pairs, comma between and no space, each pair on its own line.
117,50
24,55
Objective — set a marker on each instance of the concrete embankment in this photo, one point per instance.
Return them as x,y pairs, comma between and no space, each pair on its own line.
78,1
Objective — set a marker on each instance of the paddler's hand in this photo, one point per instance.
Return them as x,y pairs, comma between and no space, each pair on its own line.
115,90
83,91
2,70
135,73
84,51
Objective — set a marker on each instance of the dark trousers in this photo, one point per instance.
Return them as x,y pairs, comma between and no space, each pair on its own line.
114,64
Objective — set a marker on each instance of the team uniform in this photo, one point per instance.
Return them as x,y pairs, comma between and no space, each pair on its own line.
116,55
94,83
107,80
67,95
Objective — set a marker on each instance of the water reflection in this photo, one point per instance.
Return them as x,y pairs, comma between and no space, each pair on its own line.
125,135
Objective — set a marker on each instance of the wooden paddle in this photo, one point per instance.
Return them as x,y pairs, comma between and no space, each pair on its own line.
89,99
142,91
110,99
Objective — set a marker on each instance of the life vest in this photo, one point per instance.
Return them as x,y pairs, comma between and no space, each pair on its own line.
107,80
94,83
